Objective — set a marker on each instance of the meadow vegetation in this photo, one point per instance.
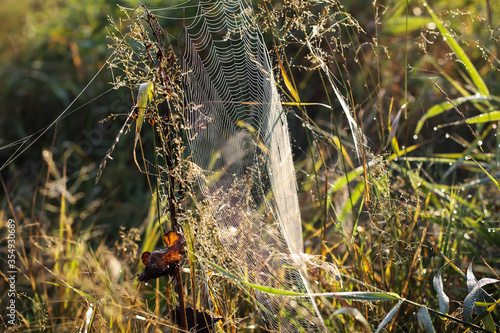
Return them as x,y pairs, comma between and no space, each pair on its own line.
412,218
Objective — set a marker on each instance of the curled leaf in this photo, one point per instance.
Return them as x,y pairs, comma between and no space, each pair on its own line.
471,279
476,294
163,262
443,299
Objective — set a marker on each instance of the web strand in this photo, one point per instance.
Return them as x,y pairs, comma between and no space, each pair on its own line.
238,134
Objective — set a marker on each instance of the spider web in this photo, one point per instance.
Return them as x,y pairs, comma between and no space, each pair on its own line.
238,134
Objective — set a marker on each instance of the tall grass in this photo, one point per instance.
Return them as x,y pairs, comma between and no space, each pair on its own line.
411,221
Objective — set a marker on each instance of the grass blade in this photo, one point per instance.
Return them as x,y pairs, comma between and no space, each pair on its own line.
459,53
394,126
424,320
398,25
482,118
489,175
476,294
356,195
345,179
365,296
288,83
144,95
356,314
354,295
389,316
443,299
486,317
445,106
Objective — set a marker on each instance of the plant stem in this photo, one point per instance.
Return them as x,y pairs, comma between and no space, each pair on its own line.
182,305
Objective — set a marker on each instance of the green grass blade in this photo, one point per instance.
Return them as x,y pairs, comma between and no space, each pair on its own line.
397,25
459,53
76,290
354,295
355,196
489,175
457,85
342,181
445,106
484,118
486,317
365,296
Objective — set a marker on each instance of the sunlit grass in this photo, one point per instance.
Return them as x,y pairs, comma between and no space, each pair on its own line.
422,193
